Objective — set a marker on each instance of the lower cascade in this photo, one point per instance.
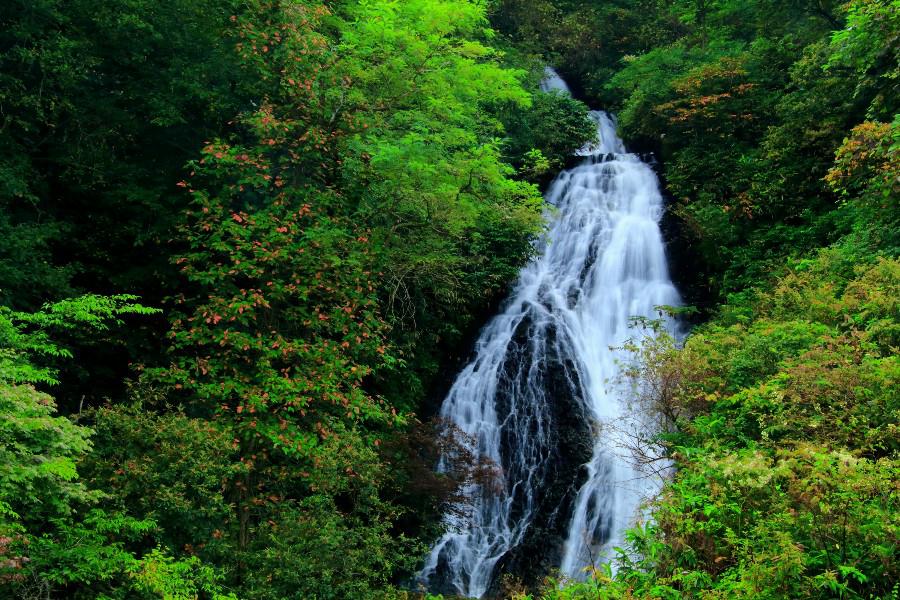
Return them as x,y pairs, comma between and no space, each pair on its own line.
542,397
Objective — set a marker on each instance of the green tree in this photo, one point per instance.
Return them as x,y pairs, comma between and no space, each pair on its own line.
340,229
53,537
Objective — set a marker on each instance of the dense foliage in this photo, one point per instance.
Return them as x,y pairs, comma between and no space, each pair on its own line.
777,125
321,199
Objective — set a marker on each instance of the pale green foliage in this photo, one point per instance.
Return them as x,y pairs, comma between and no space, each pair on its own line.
160,576
25,338
535,163
38,454
420,76
51,535
89,549
94,551
39,451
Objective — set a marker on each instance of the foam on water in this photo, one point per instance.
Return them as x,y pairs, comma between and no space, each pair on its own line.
603,263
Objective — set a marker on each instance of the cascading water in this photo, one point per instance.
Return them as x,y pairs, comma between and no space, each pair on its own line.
548,364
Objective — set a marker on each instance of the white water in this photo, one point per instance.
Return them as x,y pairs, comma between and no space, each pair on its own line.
604,262
552,82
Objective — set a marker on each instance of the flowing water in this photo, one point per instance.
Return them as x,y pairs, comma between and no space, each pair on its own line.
552,346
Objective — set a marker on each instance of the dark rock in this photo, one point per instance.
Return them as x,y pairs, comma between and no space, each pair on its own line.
569,446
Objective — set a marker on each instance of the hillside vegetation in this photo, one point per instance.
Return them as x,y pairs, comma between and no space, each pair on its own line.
244,244
777,127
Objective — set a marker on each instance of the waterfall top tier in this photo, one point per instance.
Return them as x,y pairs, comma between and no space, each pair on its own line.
608,141
552,82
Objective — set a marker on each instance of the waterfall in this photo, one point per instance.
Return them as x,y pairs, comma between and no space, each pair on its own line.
553,82
549,360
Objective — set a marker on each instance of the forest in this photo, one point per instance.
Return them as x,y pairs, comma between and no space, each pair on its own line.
247,245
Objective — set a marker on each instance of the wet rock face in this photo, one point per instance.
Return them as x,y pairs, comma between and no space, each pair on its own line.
545,440
521,397
563,427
